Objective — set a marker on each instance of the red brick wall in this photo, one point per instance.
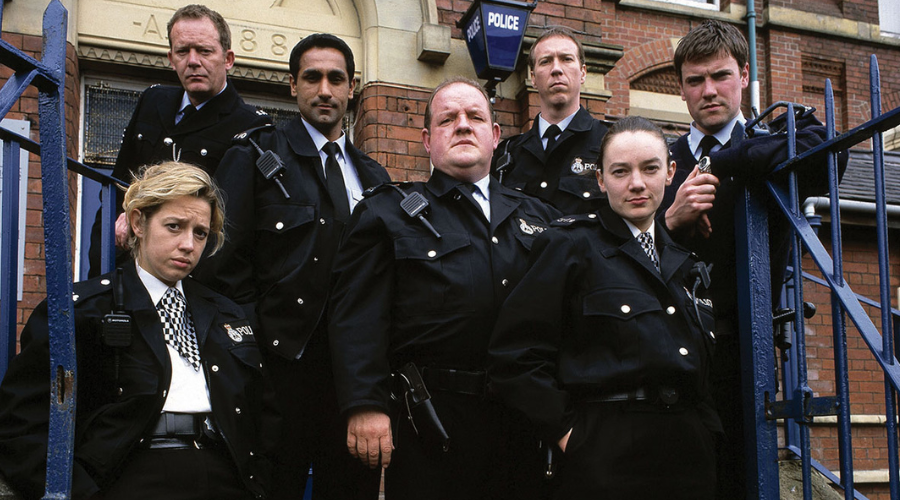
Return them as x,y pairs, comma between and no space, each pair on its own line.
26,108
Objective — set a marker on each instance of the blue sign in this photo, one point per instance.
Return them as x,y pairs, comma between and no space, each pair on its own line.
494,31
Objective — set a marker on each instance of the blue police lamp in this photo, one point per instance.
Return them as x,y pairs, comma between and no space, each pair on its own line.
494,30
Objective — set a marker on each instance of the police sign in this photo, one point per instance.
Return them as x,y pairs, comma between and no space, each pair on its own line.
494,30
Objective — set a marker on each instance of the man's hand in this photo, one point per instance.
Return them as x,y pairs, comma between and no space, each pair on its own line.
564,441
693,200
122,232
369,437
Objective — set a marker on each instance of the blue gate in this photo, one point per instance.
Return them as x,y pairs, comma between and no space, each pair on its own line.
759,381
48,76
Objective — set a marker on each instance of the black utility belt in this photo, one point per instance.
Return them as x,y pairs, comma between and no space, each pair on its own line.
663,396
182,430
458,381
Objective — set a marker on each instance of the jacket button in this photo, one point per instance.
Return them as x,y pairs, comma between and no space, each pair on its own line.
505,282
165,392
586,194
237,410
712,335
544,184
592,216
140,136
120,391
275,343
322,221
626,309
203,152
215,368
279,225
74,297
670,310
168,141
104,282
495,240
683,351
457,197
432,253
315,259
300,301
251,453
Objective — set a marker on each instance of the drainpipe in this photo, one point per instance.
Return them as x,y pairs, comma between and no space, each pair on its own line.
751,41
822,204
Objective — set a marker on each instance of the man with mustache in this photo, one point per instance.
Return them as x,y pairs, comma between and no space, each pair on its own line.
711,63
193,123
283,232
556,160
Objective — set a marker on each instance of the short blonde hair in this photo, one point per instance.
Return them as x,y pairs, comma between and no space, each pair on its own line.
157,184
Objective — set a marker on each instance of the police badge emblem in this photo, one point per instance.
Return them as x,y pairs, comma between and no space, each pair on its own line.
232,333
525,227
577,165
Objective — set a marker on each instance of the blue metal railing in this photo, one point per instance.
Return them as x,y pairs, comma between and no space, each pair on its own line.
799,405
48,76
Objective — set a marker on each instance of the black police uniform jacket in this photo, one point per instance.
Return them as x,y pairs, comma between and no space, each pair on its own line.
112,417
565,176
401,294
278,252
200,139
735,167
593,317
153,137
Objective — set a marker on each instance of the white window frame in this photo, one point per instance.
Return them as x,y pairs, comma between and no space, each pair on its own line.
23,128
700,4
889,17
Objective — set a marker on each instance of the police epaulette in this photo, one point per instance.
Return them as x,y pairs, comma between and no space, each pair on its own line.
572,220
242,137
92,287
384,185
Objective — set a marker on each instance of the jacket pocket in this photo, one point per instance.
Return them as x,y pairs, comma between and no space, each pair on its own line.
585,187
432,274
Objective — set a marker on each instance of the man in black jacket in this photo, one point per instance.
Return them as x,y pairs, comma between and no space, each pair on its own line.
711,63
557,159
428,292
193,123
174,405
283,232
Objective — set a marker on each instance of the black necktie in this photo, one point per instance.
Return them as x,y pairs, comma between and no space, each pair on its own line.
706,145
186,112
551,134
649,248
178,329
334,181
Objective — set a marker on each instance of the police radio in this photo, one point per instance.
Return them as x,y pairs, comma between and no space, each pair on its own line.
116,326
270,166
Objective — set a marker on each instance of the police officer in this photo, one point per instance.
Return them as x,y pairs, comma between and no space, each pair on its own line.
193,123
171,395
427,290
606,342
711,63
283,233
557,159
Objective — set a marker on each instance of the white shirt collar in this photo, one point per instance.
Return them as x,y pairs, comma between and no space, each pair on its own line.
483,186
154,286
185,100
320,140
543,124
635,231
723,135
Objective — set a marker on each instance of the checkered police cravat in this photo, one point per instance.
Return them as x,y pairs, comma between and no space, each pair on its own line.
649,248
178,329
